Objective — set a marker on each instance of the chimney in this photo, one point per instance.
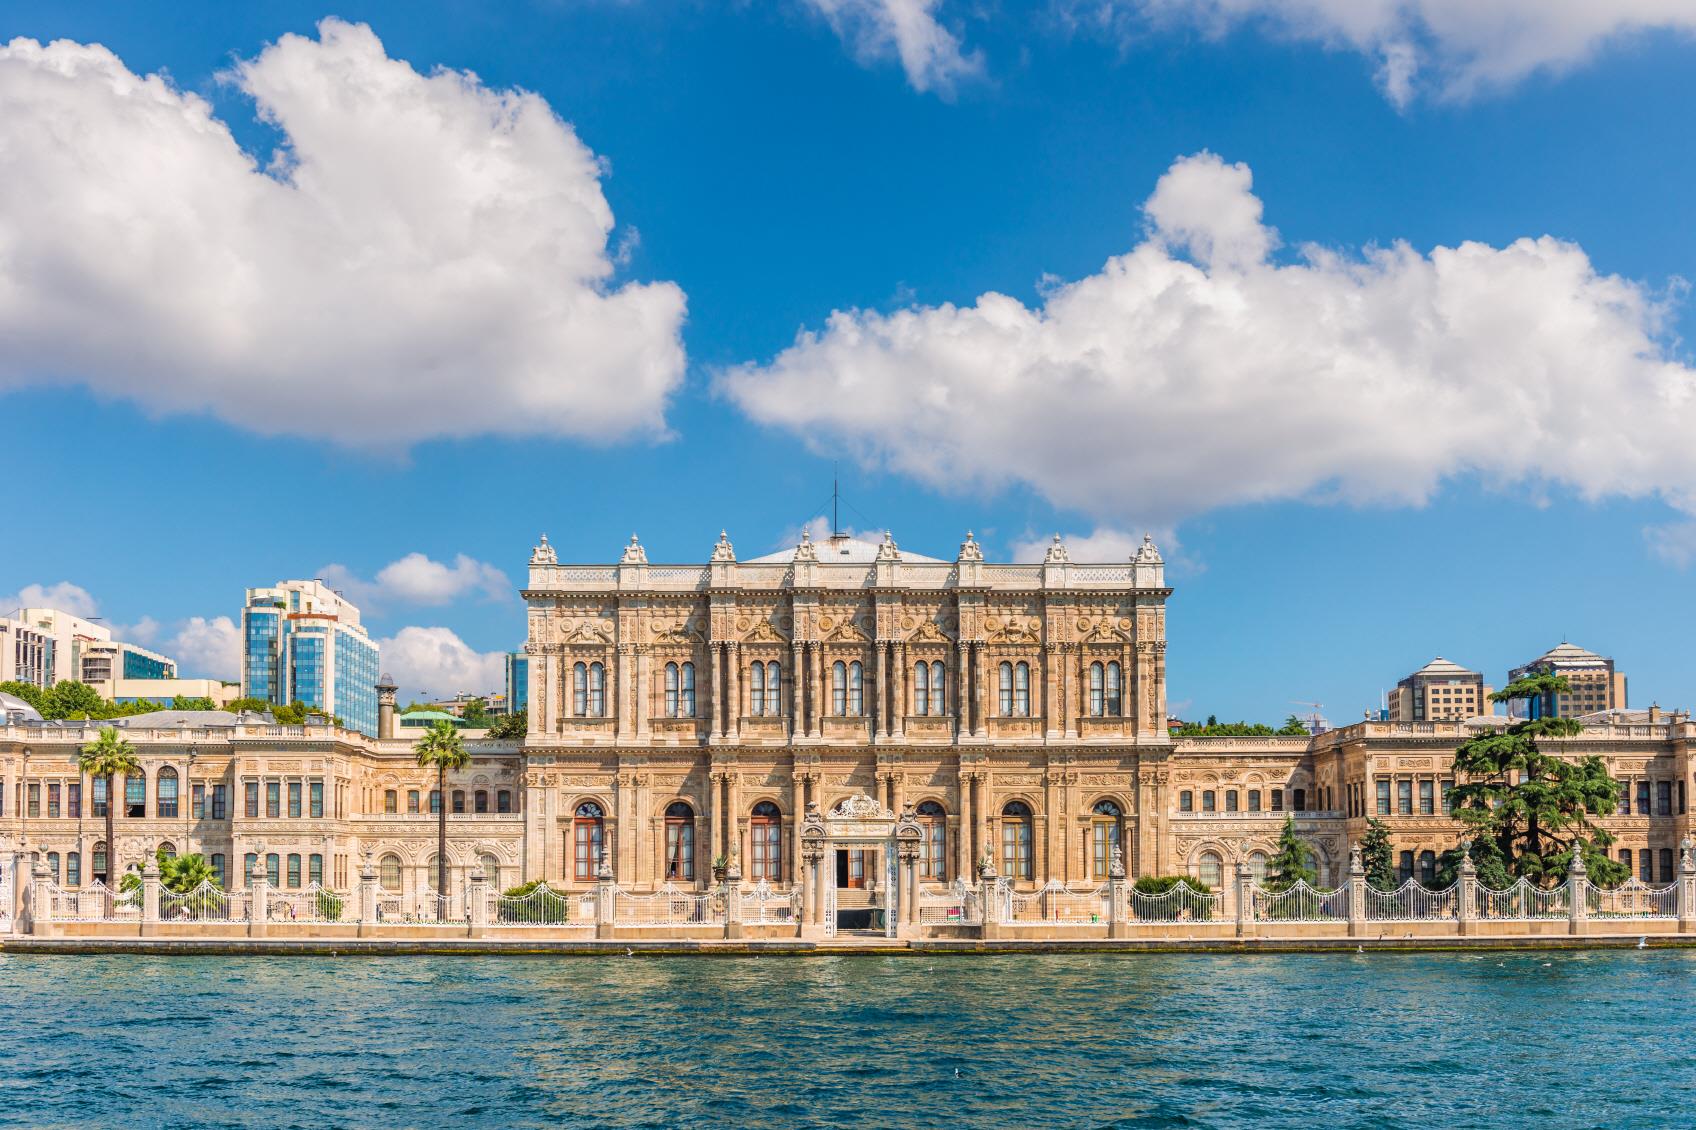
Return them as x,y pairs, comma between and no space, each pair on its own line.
386,707
1654,713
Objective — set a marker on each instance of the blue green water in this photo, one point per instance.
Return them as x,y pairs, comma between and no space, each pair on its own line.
1381,1040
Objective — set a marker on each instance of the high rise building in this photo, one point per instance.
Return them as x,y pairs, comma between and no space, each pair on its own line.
517,681
1439,691
1595,684
302,640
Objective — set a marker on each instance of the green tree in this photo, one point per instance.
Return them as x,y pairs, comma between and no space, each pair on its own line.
441,749
1293,727
178,874
1492,870
1291,860
511,725
249,705
29,692
475,713
1534,807
107,756
71,699
1375,854
185,702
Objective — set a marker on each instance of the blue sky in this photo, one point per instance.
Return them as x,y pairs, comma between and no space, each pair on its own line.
1334,453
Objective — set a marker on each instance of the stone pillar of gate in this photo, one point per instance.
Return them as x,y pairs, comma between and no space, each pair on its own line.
988,902
604,889
809,915
1357,893
367,896
1577,893
258,903
733,899
1244,888
38,903
149,898
1466,892
1118,896
906,908
477,891
1686,887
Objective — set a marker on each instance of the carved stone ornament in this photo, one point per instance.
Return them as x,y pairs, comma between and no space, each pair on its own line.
1146,553
722,551
970,550
543,553
887,550
634,554
859,807
805,550
1056,554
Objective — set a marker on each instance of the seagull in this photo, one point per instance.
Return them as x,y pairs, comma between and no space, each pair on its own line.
1359,949
1643,943
628,952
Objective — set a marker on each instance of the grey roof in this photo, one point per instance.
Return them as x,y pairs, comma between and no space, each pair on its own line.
843,550
181,719
15,709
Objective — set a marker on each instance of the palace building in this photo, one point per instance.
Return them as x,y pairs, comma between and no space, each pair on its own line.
802,718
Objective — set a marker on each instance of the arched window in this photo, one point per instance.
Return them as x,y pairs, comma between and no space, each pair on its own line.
165,791
839,688
1257,867
315,869
99,868
435,801
921,687
135,795
1428,867
1106,825
757,688
597,691
1022,690
1254,800
1097,690
934,821
679,842
1209,800
480,800
1186,800
249,863
856,689
412,801
294,869
1005,672
1231,799
586,831
168,849
686,693
774,688
388,872
53,865
73,869
1404,867
765,842
580,689
1016,840
219,876
391,801
491,869
938,688
1115,694
274,869
1210,870
671,691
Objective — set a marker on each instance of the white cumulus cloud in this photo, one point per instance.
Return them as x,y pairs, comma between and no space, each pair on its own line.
207,648
64,596
908,31
1455,48
1194,372
435,662
419,579
423,257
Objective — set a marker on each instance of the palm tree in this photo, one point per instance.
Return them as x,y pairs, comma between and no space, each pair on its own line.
107,756
441,748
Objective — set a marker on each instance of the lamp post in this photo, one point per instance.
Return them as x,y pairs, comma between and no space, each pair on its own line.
188,809
23,807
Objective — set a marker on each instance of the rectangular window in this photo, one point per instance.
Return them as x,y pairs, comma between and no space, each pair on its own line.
458,801
197,801
1663,798
1642,798
503,801
389,805
250,806
1186,801
220,802
73,798
1648,870
53,792
101,785
1404,797
315,869
274,869
294,800
1383,797
1666,865
315,801
1427,798
294,870
412,800
1208,802
34,794
273,799
435,801
1624,808
1230,800
1277,800
1254,800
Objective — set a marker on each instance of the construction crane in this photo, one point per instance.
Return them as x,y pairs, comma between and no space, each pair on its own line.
1316,723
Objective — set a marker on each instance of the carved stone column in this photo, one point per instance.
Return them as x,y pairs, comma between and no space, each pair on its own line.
733,689
961,705
880,716
979,707
966,862
797,688
897,691
715,685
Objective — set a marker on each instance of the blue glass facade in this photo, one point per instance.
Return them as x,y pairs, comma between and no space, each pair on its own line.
138,666
261,651
517,681
356,670
314,659
306,649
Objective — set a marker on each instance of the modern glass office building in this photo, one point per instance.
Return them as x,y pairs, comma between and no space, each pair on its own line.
303,641
517,681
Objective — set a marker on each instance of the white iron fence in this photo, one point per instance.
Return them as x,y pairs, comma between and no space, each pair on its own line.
1179,903
1411,902
1300,903
765,903
1056,905
668,906
1633,899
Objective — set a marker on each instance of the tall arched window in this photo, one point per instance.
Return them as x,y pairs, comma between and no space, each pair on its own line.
921,687
932,854
856,689
938,688
1016,840
480,800
671,690
1428,868
679,842
53,865
294,869
1257,867
1301,800
1210,869
597,691
274,869
99,869
765,689
388,872
491,869
839,688
1097,690
686,693
165,791
219,878
1005,671
1106,824
135,795
168,849
580,689
765,842
1115,695
774,688
757,688
73,869
1022,690
1404,867
586,837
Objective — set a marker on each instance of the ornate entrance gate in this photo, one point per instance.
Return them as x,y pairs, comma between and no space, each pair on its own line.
859,823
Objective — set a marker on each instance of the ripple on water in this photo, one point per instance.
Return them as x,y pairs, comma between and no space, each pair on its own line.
1138,1040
